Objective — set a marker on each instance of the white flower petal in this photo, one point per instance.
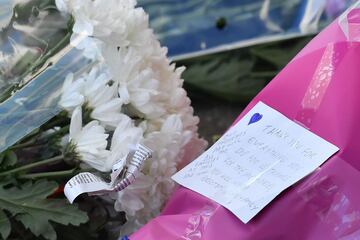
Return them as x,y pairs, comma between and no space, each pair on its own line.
76,123
83,26
172,124
61,5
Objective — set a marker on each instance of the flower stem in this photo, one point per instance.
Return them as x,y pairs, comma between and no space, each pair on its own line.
32,165
58,174
30,143
40,141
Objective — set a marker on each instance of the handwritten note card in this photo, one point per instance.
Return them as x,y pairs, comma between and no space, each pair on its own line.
258,158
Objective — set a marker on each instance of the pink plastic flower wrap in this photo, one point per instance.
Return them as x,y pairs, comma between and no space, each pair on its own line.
320,89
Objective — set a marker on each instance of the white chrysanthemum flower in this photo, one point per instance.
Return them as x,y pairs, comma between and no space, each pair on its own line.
72,96
109,114
90,142
97,90
94,90
143,93
139,83
102,98
119,26
91,47
125,136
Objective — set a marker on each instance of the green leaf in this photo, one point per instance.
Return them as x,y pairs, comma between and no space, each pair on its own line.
224,75
7,159
239,74
10,158
30,205
280,53
5,226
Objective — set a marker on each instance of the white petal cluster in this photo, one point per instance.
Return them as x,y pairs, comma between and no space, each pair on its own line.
90,141
96,91
136,95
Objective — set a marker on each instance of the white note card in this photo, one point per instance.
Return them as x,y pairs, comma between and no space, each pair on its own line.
258,158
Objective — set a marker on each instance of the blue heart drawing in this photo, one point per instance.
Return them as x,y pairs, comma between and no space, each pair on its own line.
255,118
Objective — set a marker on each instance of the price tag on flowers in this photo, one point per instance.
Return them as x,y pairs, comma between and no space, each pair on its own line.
121,177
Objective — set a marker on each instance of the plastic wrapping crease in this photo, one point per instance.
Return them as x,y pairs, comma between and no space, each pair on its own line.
320,89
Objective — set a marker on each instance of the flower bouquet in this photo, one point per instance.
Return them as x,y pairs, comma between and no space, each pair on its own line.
94,106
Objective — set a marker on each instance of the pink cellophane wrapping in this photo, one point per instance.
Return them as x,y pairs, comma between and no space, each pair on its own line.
320,89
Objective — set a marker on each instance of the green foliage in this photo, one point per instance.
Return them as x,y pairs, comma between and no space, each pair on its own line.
5,226
279,53
238,75
30,205
7,159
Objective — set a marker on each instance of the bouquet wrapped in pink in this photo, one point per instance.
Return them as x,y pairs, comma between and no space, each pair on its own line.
319,89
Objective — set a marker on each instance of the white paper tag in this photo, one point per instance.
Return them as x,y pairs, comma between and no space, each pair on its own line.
94,185
258,158
84,183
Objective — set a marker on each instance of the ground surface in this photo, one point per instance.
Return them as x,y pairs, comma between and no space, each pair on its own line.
216,116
